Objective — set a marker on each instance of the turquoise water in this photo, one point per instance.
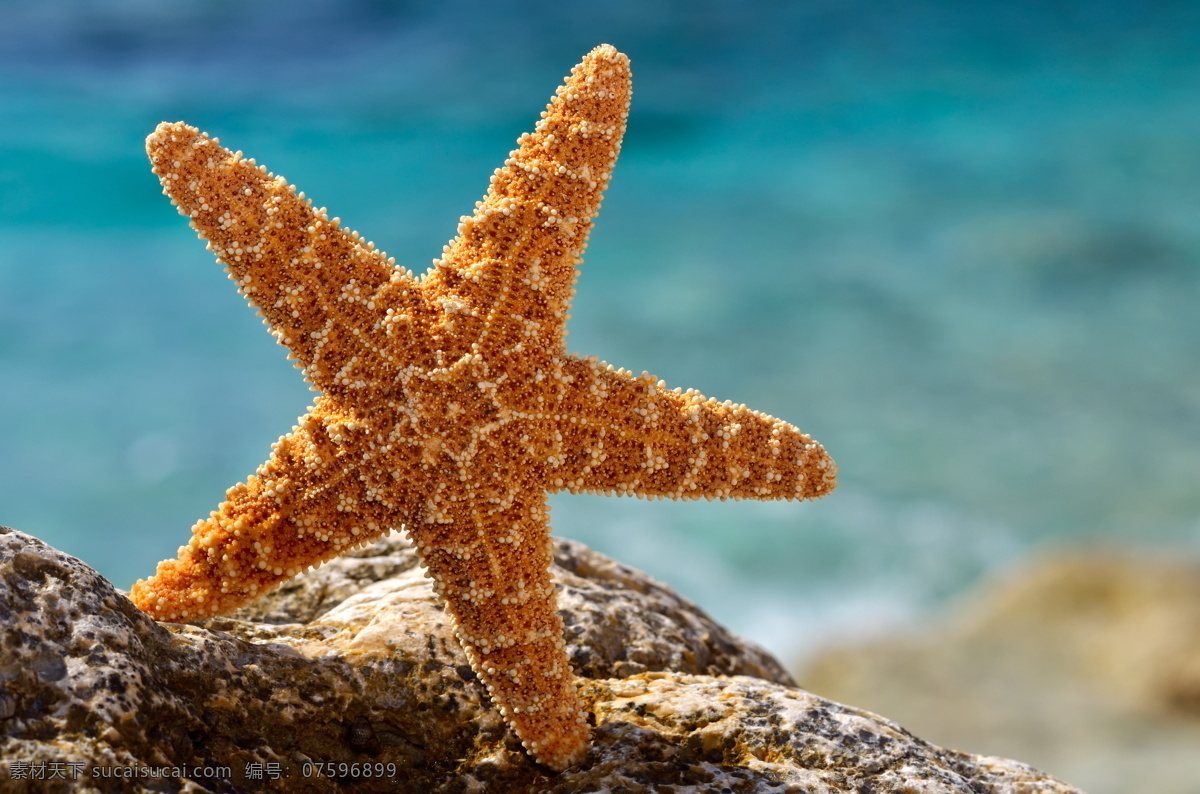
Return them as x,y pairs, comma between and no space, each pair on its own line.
960,247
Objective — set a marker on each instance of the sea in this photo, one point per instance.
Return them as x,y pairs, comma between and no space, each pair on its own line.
957,243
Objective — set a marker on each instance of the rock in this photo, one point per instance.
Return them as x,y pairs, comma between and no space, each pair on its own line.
349,678
1087,665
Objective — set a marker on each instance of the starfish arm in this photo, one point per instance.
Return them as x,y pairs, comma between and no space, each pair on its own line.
509,275
629,435
307,504
320,289
490,562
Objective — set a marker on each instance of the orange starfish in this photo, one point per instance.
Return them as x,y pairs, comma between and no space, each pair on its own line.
448,404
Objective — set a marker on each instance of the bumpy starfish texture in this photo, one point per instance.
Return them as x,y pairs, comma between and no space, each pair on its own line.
448,405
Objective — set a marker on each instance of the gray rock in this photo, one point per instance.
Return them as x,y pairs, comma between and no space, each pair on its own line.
350,679
1086,664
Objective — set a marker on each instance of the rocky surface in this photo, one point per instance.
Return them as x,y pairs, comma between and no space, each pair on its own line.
349,679
1087,665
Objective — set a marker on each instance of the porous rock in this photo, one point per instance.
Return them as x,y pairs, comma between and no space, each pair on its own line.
350,679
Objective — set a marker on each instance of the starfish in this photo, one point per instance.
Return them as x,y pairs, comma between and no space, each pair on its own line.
448,405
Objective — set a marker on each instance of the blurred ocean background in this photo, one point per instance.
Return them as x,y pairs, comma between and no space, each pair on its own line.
959,244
